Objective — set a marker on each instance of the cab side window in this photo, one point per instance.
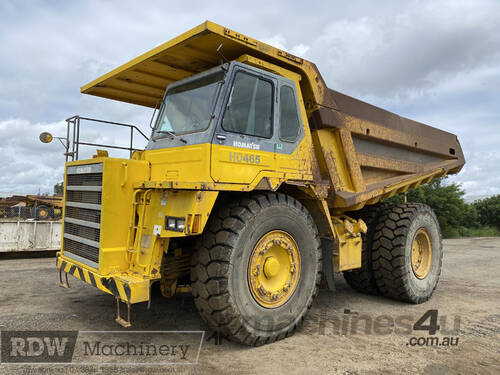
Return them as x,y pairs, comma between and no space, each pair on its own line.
250,106
289,119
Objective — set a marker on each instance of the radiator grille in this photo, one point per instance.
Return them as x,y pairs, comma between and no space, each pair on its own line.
83,214
93,197
82,224
82,250
82,231
86,179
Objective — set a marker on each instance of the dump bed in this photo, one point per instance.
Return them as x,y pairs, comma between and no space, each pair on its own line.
383,153
364,153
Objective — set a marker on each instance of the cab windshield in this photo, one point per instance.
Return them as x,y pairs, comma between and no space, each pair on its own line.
187,108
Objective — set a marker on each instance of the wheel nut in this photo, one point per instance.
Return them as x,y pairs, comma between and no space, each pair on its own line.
257,270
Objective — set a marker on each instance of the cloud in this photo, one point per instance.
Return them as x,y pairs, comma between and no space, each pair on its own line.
409,51
280,42
29,166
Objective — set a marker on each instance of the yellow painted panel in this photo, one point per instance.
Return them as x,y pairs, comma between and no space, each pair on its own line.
348,256
239,165
190,163
334,158
119,176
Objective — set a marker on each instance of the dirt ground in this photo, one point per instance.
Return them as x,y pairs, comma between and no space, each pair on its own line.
333,340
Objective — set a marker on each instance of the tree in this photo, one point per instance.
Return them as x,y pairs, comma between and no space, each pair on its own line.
488,211
58,188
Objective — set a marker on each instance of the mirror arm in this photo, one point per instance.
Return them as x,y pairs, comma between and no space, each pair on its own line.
61,140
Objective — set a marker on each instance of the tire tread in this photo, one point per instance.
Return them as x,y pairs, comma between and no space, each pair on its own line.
388,251
209,279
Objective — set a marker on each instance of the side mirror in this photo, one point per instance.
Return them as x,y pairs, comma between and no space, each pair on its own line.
46,137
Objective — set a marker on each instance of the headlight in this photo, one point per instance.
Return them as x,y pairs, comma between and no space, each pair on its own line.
171,223
176,224
181,223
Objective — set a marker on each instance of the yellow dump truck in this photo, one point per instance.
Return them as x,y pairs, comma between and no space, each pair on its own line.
258,181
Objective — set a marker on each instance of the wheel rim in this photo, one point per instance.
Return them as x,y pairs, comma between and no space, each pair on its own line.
274,269
43,213
421,254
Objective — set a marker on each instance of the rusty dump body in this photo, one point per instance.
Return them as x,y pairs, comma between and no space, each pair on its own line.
384,153
362,153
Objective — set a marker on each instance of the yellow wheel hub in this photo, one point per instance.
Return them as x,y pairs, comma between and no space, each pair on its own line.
421,254
271,267
274,269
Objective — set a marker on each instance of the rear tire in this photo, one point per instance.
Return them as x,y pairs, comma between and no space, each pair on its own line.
401,231
221,280
362,279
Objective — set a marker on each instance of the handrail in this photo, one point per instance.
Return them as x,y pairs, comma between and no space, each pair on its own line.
74,122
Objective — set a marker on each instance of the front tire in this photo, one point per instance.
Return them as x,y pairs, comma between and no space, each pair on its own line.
407,252
259,268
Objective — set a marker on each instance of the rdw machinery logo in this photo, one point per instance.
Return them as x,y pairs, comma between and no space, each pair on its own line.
38,346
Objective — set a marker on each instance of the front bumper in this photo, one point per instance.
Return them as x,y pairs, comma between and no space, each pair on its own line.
130,288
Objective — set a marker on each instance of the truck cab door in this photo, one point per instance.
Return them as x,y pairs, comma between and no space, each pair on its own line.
290,159
243,144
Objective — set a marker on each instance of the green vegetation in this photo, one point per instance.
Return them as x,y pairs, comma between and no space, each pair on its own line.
457,218
58,188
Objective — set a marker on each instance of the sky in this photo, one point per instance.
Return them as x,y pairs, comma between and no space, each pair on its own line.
436,62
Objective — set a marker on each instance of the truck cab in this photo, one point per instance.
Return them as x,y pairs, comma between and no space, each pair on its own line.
234,124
